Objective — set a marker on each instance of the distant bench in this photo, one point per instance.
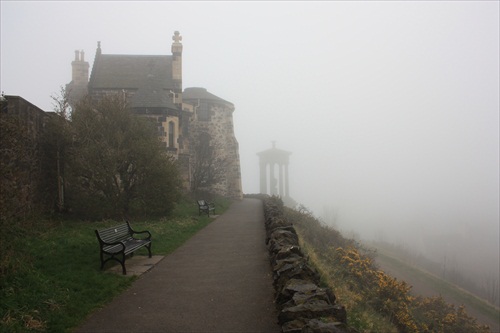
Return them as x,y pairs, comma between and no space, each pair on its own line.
205,207
120,241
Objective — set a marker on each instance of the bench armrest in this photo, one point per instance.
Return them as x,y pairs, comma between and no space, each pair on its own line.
142,232
133,232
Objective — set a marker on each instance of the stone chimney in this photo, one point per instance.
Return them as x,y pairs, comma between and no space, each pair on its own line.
78,87
177,68
80,73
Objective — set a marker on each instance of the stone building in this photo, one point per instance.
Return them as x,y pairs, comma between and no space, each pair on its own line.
152,85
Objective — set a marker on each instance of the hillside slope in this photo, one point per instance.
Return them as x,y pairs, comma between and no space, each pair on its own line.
428,285
374,300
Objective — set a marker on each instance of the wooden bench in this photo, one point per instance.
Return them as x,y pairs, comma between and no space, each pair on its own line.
205,207
119,241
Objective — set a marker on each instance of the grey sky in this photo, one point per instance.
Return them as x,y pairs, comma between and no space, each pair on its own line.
391,109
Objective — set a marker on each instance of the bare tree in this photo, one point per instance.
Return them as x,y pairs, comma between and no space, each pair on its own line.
60,137
60,103
208,164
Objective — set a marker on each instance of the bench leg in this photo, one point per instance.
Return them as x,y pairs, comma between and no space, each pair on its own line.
203,210
149,249
102,260
113,257
122,262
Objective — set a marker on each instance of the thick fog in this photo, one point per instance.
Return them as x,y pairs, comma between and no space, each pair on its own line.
390,109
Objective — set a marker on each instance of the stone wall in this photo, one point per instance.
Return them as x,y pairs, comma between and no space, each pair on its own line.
22,162
303,306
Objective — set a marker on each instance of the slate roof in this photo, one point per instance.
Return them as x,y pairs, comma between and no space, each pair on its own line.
149,75
201,93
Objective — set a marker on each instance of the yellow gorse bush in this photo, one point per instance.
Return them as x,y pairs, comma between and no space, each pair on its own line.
435,315
385,293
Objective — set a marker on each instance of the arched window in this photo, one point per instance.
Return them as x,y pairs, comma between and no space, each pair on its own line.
171,134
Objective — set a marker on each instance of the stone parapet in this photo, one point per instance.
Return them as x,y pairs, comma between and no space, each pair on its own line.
303,306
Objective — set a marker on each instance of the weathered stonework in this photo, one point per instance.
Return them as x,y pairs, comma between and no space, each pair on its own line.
22,185
214,117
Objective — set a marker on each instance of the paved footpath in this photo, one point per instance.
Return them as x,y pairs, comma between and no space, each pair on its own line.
218,281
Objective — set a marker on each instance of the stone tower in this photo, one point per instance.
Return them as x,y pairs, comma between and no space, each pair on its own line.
212,119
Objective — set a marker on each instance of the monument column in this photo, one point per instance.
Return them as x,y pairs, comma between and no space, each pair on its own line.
263,177
278,183
272,182
281,179
287,192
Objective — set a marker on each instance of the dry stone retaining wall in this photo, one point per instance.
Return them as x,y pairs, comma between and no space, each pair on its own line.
303,306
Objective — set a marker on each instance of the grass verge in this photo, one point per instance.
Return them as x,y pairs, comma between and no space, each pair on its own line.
360,317
50,279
